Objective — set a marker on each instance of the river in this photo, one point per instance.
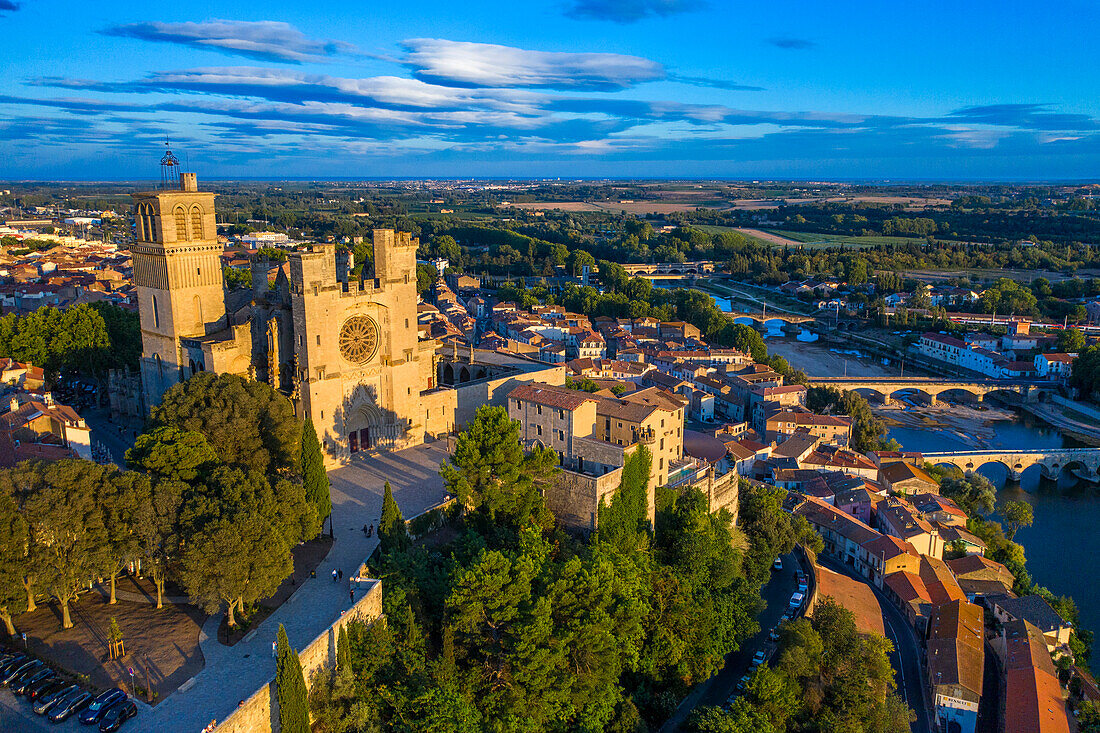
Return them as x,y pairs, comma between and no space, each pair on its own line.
1066,516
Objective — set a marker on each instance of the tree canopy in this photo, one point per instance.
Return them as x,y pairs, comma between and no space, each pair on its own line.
246,422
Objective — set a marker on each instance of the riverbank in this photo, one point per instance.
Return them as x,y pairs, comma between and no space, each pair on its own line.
976,428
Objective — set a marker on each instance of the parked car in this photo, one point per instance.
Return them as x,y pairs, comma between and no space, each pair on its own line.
74,702
778,564
743,682
11,663
27,668
802,587
21,685
45,687
796,600
15,669
116,715
759,658
94,711
44,703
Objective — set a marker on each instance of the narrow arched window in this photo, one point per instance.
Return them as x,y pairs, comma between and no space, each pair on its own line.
196,222
156,313
198,313
152,225
181,224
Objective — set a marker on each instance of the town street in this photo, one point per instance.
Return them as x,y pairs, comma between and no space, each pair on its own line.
776,594
906,657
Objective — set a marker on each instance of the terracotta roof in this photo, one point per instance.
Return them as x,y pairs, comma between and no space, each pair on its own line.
955,650
550,396
853,595
1033,695
901,471
977,567
886,547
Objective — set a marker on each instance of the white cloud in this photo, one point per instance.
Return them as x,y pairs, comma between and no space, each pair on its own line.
489,65
266,39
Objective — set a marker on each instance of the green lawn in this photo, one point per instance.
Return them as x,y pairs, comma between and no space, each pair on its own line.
716,229
833,240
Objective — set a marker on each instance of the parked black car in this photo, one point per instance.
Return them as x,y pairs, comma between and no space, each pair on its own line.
72,703
14,669
23,671
45,687
94,711
23,683
116,715
45,703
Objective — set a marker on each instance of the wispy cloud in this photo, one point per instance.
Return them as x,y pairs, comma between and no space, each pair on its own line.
459,63
629,11
9,6
703,81
790,43
265,40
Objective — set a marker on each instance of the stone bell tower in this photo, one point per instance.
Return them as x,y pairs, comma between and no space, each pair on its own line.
177,274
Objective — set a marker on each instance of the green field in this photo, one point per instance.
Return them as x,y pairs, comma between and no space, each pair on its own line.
834,240
716,229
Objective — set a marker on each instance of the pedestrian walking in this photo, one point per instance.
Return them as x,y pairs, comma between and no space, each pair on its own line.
274,649
351,595
313,573
334,580
340,574
370,531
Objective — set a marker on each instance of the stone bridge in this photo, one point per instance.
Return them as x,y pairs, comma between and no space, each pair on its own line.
887,387
702,267
1082,462
761,319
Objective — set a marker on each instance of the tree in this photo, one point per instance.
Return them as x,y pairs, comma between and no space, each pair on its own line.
158,530
392,532
171,453
426,275
59,503
121,498
13,559
1017,514
343,660
314,476
246,422
489,471
239,533
1071,341
291,684
974,494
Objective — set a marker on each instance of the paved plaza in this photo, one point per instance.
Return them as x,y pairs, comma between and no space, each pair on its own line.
232,674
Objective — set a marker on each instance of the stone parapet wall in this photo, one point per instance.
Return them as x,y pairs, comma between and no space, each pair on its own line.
260,712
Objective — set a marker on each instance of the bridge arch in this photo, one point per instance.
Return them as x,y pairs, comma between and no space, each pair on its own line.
956,394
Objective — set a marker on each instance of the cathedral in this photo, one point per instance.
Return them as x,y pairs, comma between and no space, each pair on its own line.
344,349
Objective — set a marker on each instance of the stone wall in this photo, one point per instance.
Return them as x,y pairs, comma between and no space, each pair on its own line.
260,712
575,497
495,391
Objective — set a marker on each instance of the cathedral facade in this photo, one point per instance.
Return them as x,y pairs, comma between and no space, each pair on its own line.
345,350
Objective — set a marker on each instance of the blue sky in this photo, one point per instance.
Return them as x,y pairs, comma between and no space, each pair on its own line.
533,88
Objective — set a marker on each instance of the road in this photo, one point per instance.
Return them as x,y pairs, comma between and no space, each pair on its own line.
906,657
776,594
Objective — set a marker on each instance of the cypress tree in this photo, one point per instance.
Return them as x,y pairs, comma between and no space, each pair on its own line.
291,683
314,477
343,658
392,533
